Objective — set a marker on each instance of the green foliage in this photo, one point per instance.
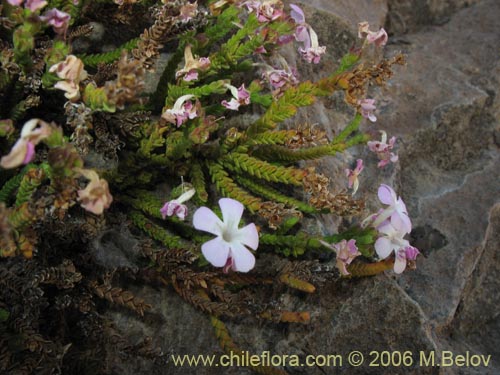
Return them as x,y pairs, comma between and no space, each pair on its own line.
21,217
256,97
199,183
19,110
11,185
97,99
273,137
242,163
236,48
155,231
228,188
348,61
24,43
285,154
224,24
365,239
274,195
108,57
284,107
29,183
289,245
4,315
348,130
175,92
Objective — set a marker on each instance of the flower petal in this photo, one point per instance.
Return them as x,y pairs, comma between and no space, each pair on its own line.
401,222
400,263
386,194
297,14
204,219
383,247
232,210
249,236
16,156
244,260
216,251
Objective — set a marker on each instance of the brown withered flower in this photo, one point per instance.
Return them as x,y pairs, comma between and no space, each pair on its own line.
96,196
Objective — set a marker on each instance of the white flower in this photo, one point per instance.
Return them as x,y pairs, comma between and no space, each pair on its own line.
230,243
393,241
396,210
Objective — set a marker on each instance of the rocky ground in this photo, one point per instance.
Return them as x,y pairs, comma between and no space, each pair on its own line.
444,109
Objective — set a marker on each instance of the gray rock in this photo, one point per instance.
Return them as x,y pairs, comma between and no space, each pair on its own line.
406,16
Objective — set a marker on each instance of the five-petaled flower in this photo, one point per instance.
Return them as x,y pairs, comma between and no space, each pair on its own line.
241,96
383,150
192,66
353,176
310,51
229,248
346,252
182,111
96,196
23,150
367,107
379,38
177,206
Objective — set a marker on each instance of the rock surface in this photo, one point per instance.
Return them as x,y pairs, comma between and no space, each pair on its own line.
444,108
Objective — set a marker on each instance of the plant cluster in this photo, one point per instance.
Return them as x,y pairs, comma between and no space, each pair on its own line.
89,154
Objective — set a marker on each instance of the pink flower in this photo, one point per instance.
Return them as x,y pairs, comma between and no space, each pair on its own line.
383,150
35,5
95,197
229,248
367,108
72,90
191,66
229,265
396,210
72,72
192,75
265,11
279,79
182,111
346,252
188,12
393,241
353,176
378,38
241,96
70,69
57,19
23,150
260,49
297,14
176,206
32,5
311,51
